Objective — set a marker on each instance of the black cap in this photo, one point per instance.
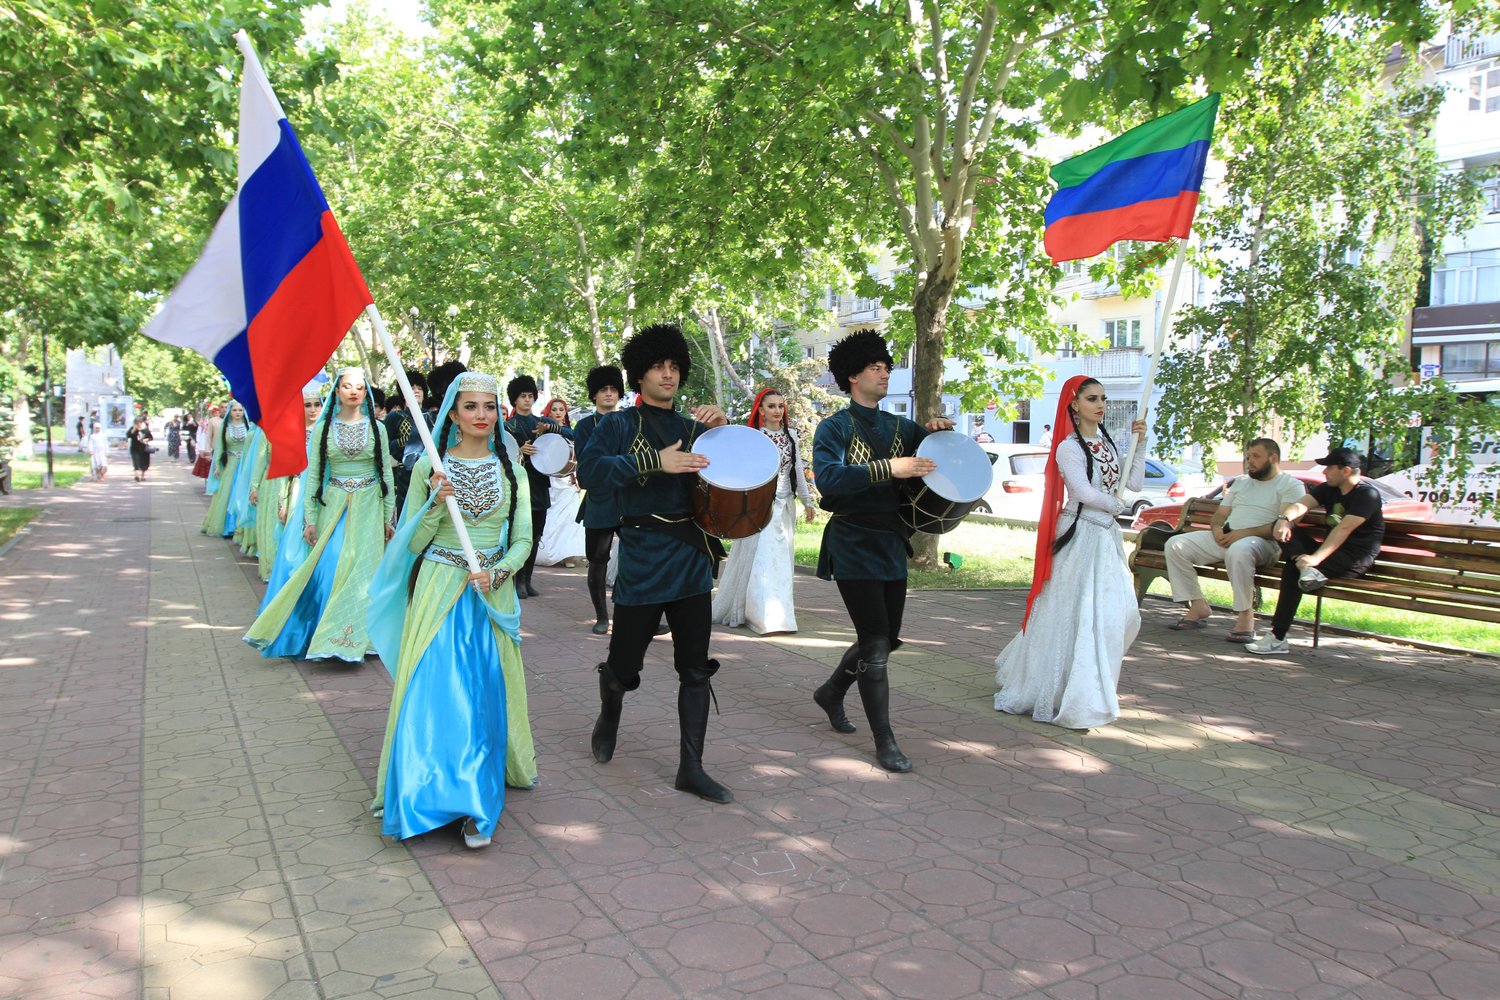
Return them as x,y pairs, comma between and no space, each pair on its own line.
1346,457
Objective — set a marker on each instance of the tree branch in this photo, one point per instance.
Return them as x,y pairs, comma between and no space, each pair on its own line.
897,200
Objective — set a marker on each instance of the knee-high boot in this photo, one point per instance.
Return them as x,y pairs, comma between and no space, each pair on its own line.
830,697
875,692
692,716
598,572
611,701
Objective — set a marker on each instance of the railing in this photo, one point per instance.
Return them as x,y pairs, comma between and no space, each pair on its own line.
1461,49
1120,363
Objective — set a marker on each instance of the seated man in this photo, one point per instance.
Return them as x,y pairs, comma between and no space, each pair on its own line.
4,475
1356,528
1239,536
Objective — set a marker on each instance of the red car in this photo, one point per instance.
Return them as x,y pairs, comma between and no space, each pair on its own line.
1395,503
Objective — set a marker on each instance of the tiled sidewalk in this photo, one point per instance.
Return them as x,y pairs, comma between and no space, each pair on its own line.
182,819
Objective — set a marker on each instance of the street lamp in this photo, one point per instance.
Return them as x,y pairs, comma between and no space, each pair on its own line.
47,408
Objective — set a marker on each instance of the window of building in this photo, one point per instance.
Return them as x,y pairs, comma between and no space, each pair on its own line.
1074,268
1123,332
899,407
1476,360
1484,91
1468,277
1069,348
1118,413
807,352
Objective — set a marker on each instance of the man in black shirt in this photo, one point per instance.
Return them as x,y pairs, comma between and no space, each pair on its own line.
1356,528
401,429
525,426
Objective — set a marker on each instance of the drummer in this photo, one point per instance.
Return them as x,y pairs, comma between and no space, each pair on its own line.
606,384
642,459
525,426
858,453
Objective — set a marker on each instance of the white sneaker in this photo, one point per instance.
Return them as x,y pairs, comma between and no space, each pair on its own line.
473,839
1267,645
1310,580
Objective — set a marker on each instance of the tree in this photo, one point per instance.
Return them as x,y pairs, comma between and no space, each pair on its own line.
1331,191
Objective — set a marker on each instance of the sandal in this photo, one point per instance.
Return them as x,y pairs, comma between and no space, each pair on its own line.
1183,624
1248,635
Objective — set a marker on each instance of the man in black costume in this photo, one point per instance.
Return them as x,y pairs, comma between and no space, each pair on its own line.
525,426
600,520
858,455
642,457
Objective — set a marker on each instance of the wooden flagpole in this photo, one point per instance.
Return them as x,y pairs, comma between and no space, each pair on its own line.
1158,345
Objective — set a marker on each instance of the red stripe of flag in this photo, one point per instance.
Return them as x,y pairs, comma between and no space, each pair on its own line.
1078,236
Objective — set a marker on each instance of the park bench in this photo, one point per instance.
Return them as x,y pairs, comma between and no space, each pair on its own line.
1438,569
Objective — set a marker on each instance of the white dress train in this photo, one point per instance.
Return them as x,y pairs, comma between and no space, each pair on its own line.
755,586
1065,668
563,536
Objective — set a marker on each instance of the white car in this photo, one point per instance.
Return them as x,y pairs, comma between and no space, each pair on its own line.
1020,478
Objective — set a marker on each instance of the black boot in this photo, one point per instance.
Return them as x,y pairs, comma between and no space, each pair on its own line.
522,591
530,590
830,697
875,692
597,574
692,716
611,701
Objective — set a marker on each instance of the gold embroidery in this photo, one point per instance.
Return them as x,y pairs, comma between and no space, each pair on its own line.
646,458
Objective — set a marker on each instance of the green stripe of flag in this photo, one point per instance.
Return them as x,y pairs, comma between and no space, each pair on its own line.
1191,124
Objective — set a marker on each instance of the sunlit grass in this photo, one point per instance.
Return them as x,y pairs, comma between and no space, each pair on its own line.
13,519
67,468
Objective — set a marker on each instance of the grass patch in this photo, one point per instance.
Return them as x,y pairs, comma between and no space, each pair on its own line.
1001,557
67,468
13,519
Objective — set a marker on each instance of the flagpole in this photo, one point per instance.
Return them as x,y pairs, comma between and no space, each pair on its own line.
420,423
1157,347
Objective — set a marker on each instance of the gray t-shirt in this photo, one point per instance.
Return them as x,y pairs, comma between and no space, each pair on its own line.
1254,502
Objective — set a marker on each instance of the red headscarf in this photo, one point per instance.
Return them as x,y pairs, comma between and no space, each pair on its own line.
567,421
1052,494
754,419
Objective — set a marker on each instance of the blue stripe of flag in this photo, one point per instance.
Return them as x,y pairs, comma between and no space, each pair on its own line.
281,219
233,360
1125,182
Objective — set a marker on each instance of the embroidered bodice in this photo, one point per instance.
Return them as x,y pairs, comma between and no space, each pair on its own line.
234,438
1093,492
787,480
351,437
477,486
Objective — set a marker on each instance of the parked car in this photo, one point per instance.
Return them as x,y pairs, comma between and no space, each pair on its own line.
1165,483
1395,503
1017,490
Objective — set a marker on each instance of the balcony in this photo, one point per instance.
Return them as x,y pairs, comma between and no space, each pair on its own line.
1461,49
1118,363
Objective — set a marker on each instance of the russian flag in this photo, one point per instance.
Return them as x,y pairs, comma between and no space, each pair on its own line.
1142,185
276,287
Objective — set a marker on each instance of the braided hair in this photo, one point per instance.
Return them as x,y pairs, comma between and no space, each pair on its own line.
1088,466
223,443
323,444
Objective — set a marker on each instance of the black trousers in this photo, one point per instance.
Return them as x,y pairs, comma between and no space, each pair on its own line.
597,543
538,525
635,627
192,447
876,608
1339,565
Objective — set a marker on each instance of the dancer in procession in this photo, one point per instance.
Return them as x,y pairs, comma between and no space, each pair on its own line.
401,431
858,454
233,435
563,540
755,588
525,426
1081,615
601,521
242,496
457,731
642,458
274,497
348,498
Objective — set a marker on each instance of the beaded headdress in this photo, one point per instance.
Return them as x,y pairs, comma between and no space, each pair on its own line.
478,382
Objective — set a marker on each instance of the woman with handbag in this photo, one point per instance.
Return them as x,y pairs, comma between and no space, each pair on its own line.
1081,615
141,448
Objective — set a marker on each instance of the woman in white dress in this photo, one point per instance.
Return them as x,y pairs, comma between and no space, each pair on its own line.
1081,615
755,587
562,539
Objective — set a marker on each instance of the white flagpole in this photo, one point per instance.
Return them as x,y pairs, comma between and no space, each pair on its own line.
420,423
1157,347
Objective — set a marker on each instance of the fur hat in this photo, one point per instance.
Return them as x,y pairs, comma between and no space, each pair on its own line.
440,378
605,377
855,353
520,384
657,342
417,379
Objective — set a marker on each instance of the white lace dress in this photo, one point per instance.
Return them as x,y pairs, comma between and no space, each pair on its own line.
1065,668
755,586
563,536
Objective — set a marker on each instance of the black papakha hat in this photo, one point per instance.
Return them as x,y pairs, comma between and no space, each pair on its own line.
417,379
605,377
440,378
657,342
855,353
520,384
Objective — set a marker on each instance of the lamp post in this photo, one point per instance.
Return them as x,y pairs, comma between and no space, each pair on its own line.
47,408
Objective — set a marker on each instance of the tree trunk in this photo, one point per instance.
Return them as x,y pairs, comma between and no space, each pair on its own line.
930,314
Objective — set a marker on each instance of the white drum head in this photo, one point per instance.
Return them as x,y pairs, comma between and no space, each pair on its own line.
553,453
963,473
740,458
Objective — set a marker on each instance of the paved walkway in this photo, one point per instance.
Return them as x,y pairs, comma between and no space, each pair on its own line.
181,819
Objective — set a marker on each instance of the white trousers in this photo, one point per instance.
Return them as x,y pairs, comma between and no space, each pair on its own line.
1241,560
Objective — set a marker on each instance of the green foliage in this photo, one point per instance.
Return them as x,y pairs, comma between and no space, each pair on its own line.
160,376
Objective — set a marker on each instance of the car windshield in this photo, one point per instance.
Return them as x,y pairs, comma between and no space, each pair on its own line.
1029,464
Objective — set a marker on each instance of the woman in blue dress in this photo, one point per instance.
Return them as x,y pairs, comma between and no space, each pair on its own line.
457,731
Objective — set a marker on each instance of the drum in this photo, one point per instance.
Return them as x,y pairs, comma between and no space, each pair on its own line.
940,500
554,455
733,496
